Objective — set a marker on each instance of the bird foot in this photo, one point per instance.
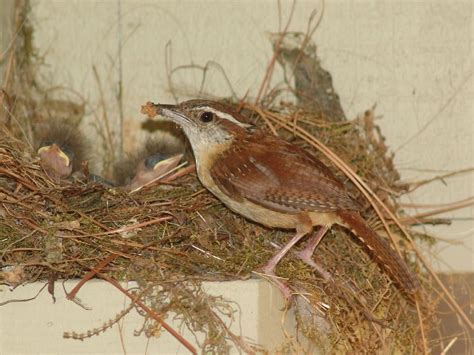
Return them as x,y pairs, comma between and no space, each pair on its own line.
306,257
284,288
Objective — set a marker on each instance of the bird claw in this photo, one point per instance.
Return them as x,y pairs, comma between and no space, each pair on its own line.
308,260
284,288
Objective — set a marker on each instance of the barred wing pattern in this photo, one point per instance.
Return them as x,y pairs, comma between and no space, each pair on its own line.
280,176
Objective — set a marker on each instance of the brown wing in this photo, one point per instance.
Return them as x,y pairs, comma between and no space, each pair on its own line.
278,175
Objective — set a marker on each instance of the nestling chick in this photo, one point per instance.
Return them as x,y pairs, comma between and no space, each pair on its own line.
153,161
61,149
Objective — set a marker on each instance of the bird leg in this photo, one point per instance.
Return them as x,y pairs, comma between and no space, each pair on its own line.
306,255
269,268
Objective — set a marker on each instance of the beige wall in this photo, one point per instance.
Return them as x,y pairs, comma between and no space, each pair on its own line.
38,326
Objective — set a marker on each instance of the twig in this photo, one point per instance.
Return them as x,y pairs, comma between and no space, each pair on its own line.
120,80
271,65
12,46
414,185
25,299
448,102
72,294
448,208
451,343
188,170
105,116
158,178
19,178
122,229
308,35
422,328
151,313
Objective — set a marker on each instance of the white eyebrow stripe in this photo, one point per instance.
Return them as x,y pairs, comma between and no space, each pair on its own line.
223,115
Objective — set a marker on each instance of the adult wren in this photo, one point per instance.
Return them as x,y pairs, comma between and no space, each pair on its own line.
274,183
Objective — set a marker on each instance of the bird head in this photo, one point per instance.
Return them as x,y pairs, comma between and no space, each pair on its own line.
56,162
205,123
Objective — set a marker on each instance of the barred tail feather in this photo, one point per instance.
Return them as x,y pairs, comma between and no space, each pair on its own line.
385,256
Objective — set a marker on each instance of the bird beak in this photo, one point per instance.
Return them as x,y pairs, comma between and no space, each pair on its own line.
172,113
166,165
146,175
53,152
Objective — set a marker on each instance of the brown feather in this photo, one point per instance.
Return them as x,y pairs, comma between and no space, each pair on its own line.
275,174
385,256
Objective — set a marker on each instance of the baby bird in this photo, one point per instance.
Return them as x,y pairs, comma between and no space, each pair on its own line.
153,161
55,161
61,149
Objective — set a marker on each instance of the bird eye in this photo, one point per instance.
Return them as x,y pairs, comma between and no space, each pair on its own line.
206,116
